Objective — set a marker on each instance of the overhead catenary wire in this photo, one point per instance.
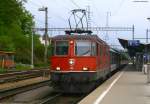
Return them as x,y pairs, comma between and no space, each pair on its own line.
96,9
141,1
119,7
63,6
35,4
59,17
73,2
96,12
63,2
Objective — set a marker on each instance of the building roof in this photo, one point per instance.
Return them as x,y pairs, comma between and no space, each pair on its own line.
132,50
6,52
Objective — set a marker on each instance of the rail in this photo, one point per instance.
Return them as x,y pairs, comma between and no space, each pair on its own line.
62,98
11,92
17,76
50,98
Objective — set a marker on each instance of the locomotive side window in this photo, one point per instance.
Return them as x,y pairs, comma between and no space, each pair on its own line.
85,48
61,48
93,49
97,49
101,50
52,48
107,51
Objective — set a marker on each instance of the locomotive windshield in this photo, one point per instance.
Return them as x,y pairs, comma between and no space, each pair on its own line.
61,48
85,48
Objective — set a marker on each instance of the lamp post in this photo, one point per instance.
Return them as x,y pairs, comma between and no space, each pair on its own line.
148,64
45,9
147,31
32,50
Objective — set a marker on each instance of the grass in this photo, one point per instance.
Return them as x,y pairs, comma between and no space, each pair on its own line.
41,65
2,70
19,67
22,67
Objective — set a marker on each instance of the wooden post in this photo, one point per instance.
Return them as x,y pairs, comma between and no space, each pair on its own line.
3,63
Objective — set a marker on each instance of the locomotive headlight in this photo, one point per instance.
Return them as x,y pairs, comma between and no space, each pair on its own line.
57,68
85,69
71,42
71,61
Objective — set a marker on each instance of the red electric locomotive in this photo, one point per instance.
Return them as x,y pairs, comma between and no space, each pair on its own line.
78,61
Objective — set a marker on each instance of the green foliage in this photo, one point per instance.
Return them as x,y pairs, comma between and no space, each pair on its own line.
2,70
4,40
16,25
38,51
21,67
10,11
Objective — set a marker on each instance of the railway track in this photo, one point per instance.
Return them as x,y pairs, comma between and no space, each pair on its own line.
46,100
11,92
56,98
52,98
63,99
22,75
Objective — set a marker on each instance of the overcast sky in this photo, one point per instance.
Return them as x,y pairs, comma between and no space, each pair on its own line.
124,13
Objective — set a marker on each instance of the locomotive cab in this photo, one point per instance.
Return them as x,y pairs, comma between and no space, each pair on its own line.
76,62
73,55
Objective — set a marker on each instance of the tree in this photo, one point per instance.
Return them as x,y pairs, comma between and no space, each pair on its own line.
16,25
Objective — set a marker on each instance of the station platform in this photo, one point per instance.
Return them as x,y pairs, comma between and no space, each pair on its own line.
125,87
